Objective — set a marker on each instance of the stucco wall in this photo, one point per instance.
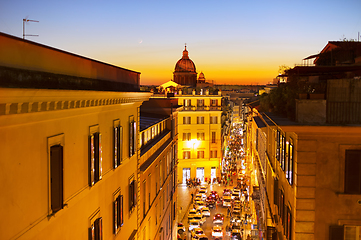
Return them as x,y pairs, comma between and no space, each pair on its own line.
311,111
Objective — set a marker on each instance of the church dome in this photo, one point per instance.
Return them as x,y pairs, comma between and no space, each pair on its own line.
185,64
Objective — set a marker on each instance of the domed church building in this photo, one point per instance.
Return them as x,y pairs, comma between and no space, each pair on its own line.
185,71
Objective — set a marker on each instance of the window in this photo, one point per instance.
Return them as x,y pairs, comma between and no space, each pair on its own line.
352,232
186,154
187,136
156,216
200,120
132,135
275,191
353,171
96,230
200,102
132,195
213,137
118,145
200,136
213,119
214,102
187,102
282,151
56,177
118,219
156,180
200,154
186,120
288,223
289,163
278,145
281,206
213,153
144,197
95,158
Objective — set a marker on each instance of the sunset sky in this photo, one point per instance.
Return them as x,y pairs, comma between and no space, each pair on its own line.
231,42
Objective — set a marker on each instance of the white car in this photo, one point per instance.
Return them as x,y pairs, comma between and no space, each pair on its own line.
227,201
205,212
199,218
217,232
193,224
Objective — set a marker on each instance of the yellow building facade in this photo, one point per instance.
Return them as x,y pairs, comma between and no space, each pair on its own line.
70,156
199,131
157,175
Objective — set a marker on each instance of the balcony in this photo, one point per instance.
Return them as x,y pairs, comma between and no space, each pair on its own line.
202,108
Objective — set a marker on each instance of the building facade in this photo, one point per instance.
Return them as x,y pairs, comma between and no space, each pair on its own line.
200,136
70,157
309,178
157,171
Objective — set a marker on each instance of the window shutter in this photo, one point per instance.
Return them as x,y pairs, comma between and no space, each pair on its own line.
336,233
56,174
100,157
353,171
91,160
91,233
115,216
120,212
96,157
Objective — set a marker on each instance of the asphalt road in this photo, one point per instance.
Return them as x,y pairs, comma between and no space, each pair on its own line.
208,225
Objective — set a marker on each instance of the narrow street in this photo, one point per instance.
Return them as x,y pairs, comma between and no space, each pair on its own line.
234,168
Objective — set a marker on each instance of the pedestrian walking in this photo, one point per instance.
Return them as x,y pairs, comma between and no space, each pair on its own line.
228,211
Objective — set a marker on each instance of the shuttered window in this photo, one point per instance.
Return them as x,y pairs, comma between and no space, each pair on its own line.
117,145
353,172
132,195
213,137
95,158
56,175
132,136
96,230
118,213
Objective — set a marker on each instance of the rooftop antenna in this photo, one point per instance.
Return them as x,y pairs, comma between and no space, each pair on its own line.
25,20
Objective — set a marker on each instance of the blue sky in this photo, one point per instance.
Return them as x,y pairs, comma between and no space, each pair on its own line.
234,42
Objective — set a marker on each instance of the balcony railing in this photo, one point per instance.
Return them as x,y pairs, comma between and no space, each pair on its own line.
203,108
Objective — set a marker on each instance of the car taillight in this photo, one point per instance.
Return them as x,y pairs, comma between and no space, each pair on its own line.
222,218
